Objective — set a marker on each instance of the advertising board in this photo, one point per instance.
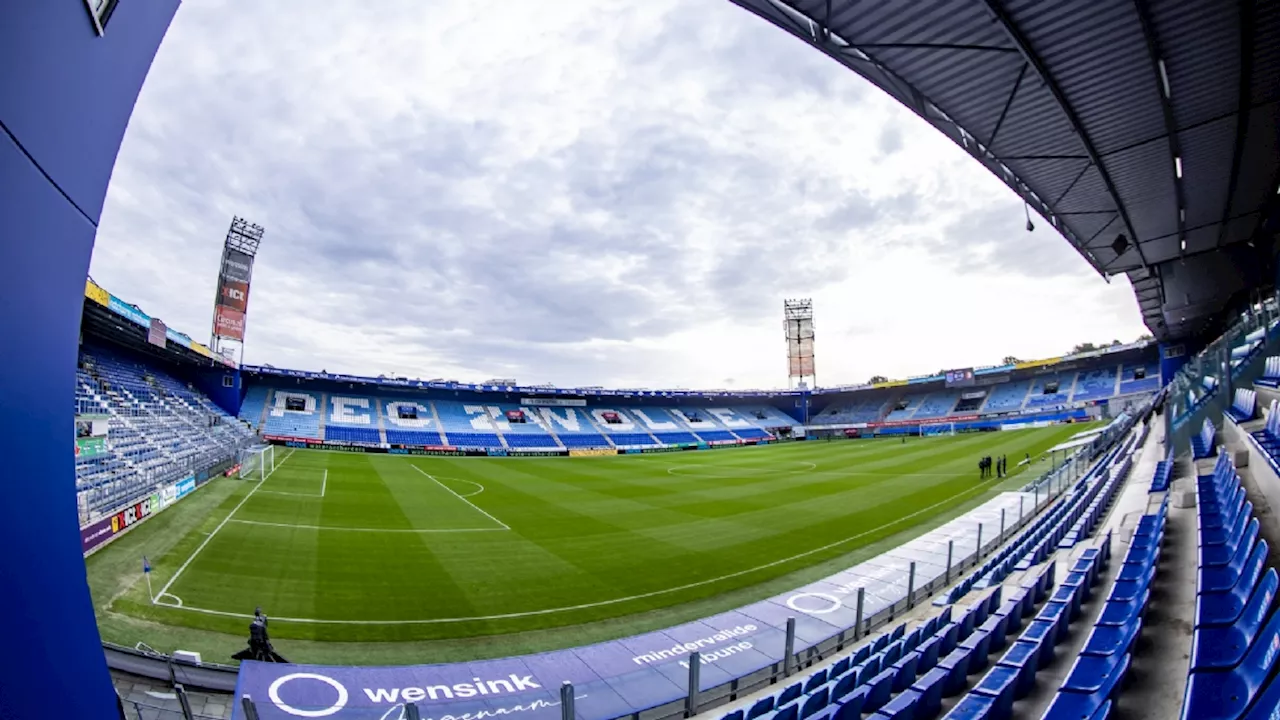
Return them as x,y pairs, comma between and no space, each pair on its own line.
592,452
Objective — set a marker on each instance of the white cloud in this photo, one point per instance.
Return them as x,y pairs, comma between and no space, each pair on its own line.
616,193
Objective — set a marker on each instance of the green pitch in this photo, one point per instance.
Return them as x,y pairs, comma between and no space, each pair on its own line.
385,549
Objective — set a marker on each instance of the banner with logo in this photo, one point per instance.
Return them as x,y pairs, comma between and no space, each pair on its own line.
628,676
228,322
157,332
592,452
233,294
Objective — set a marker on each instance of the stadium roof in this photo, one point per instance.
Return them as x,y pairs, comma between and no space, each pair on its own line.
1155,120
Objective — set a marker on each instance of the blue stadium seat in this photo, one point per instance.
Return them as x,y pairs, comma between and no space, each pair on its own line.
1223,646
1243,406
1270,373
1213,694
903,706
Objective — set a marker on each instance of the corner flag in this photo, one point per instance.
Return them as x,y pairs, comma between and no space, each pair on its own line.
146,564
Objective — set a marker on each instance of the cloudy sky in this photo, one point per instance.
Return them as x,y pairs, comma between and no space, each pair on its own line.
619,192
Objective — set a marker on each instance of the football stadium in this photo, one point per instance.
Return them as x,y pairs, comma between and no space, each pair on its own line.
1082,536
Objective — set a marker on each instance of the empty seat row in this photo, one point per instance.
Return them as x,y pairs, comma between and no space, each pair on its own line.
861,680
1013,676
1203,442
1099,496
874,677
1234,650
1103,661
1070,522
1163,475
1267,439
1270,373
1244,405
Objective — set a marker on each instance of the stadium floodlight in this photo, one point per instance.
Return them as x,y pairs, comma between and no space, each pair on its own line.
256,463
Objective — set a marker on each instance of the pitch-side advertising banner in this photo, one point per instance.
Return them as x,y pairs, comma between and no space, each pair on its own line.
625,676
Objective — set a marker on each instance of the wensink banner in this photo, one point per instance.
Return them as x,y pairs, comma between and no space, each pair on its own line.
633,674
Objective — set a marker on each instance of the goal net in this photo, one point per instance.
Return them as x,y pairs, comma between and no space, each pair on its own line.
928,429
257,462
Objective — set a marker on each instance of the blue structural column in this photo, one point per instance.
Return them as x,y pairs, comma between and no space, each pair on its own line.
66,94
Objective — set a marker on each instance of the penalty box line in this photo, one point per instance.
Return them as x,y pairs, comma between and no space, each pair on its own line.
463,498
324,485
221,525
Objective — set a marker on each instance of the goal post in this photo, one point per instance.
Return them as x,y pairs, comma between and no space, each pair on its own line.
257,462
935,429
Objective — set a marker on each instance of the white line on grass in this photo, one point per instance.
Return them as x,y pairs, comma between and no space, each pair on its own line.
372,530
324,483
615,601
243,500
462,498
469,482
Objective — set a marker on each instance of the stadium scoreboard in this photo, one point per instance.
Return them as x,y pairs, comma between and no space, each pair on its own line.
960,378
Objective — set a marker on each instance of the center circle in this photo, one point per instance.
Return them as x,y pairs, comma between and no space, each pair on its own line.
273,692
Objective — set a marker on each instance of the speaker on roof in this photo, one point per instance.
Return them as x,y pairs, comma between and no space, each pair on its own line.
1120,245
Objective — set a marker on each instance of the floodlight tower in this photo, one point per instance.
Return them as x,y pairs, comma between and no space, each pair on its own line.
798,326
231,304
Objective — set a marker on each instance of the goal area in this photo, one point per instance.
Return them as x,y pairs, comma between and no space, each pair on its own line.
257,462
932,429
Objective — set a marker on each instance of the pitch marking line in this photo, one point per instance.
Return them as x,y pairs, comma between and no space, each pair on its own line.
369,530
755,472
222,524
469,482
615,601
324,484
463,498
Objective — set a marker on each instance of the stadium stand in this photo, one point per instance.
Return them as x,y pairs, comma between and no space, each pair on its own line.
1007,397
1203,443
1138,378
1270,373
1041,394
159,430
294,413
937,404
1234,647
859,410
352,419
905,407
1250,346
1095,384
1244,405
408,421
253,408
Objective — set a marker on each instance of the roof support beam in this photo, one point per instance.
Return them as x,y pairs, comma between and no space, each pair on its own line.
1024,46
1022,72
1243,96
1170,124
1043,157
935,46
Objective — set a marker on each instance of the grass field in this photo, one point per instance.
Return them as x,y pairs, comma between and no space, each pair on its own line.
378,558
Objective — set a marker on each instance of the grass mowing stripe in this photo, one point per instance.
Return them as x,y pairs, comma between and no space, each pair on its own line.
340,528
463,499
584,606
202,545
586,533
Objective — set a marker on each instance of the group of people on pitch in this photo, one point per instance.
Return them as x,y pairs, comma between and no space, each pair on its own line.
987,463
